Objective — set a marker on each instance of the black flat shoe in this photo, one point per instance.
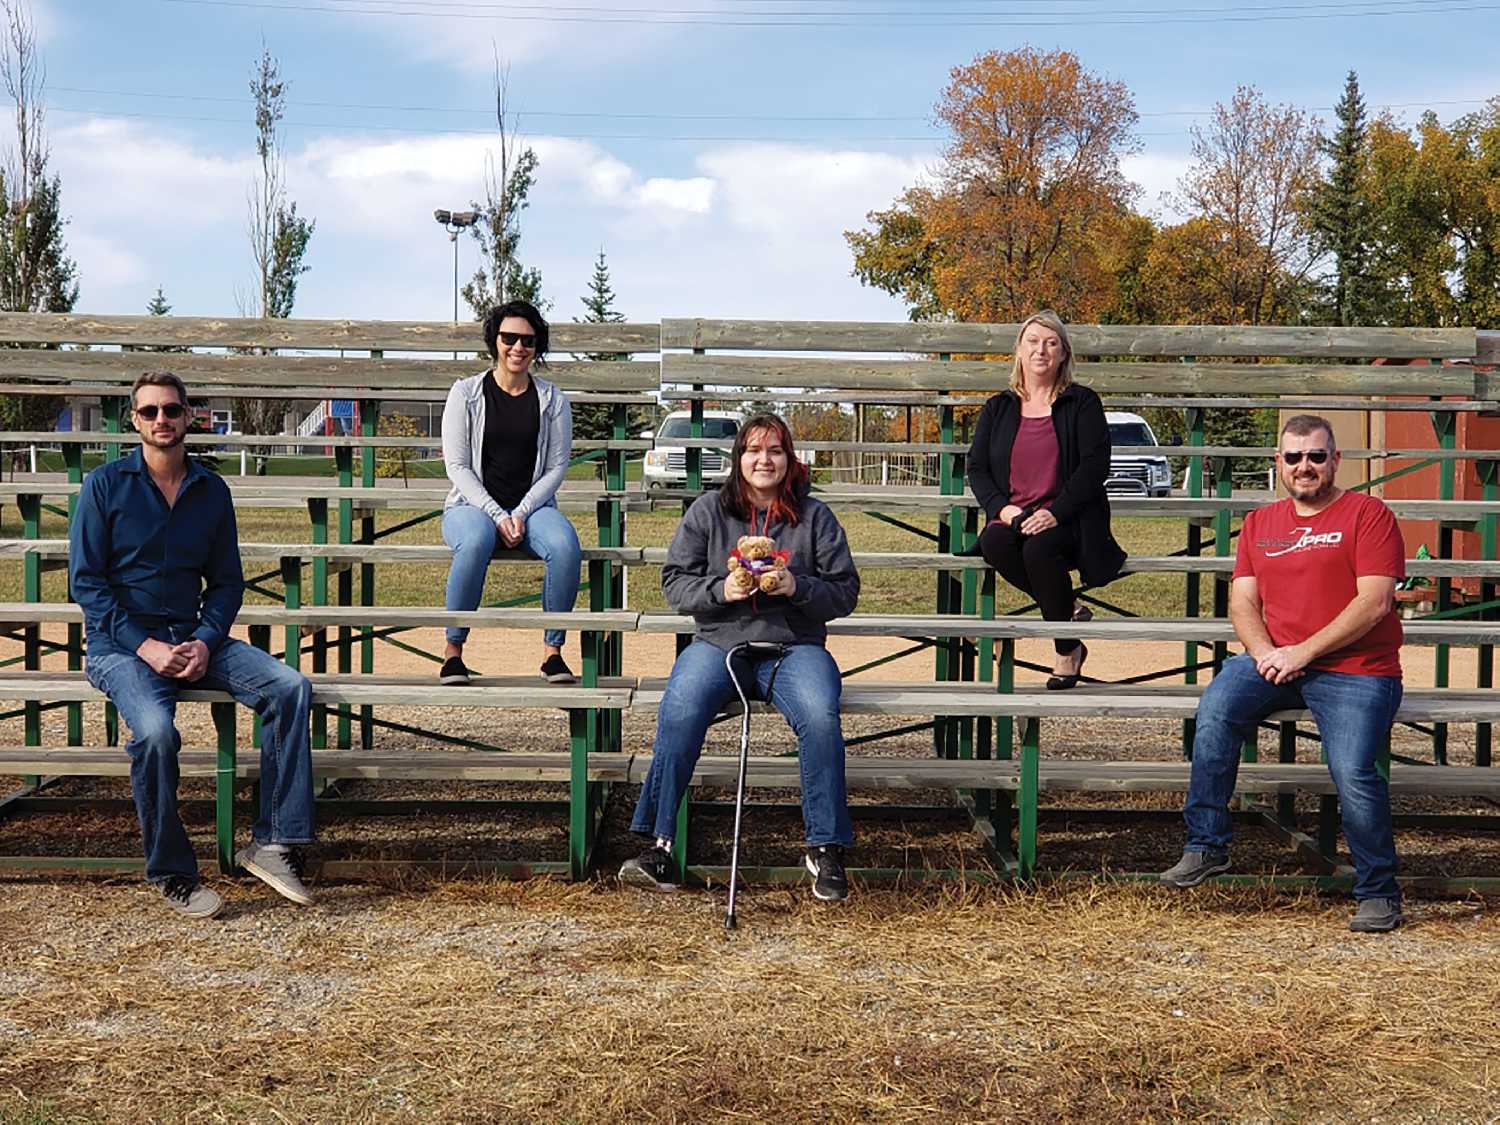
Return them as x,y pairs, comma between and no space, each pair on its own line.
1064,683
972,551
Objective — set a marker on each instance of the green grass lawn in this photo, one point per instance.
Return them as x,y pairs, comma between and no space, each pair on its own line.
884,591
281,465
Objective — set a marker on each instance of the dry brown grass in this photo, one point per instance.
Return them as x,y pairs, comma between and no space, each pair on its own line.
543,1001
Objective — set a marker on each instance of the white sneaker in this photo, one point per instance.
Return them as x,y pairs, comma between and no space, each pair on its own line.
279,867
189,897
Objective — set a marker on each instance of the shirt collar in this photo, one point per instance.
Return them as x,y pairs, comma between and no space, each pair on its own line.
135,462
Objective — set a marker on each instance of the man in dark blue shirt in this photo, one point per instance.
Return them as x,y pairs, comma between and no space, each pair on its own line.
154,561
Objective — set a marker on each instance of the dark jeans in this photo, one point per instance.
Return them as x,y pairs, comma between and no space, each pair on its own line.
1354,715
806,691
147,702
1037,565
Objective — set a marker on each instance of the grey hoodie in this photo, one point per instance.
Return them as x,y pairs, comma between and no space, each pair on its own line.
463,447
698,562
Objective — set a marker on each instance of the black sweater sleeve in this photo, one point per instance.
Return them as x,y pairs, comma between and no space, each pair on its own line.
988,491
1085,484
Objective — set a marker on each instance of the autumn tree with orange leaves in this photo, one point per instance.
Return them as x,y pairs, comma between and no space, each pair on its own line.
1243,256
1027,201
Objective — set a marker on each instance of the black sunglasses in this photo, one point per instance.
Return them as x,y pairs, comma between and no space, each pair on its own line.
526,339
1294,456
173,410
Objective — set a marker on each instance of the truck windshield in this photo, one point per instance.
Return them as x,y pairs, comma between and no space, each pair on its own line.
1130,433
712,428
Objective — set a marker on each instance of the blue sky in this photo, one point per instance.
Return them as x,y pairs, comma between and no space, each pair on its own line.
715,162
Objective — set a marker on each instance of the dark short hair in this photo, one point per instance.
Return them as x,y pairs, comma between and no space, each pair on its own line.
159,379
1302,425
527,312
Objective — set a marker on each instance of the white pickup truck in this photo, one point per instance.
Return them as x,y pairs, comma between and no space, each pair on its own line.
1136,468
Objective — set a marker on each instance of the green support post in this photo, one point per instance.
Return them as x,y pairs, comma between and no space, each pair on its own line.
1030,794
950,591
291,579
73,458
1224,490
346,587
369,417
580,820
1445,426
1194,418
695,429
31,583
114,407
1286,747
1005,725
318,508
224,783
1489,479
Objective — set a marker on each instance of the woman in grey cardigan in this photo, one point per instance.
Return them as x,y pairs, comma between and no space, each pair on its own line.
507,440
766,495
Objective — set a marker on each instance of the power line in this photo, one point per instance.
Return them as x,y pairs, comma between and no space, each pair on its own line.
530,113
814,20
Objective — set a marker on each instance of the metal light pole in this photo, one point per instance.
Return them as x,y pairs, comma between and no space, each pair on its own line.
453,222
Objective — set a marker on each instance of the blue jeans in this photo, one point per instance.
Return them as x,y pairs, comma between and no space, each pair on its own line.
147,702
549,537
1354,716
806,691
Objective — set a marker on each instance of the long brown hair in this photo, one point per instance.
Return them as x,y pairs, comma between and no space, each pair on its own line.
787,507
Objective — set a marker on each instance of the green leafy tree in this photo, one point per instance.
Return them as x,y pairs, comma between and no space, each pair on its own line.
509,177
1339,218
36,274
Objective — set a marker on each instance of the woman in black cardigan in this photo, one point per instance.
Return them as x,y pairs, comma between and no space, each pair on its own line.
1038,465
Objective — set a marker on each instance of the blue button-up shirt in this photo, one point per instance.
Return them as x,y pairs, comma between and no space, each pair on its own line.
140,568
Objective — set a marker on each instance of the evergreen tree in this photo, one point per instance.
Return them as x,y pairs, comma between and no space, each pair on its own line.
1339,219
596,423
158,305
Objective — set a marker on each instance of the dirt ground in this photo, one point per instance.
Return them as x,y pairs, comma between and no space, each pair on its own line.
461,998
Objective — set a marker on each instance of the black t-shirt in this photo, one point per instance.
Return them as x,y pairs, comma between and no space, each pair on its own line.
511,426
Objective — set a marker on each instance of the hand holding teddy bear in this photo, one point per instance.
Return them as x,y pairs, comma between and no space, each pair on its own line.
756,565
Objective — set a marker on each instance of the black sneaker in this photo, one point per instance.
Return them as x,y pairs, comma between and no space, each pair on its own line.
1193,868
555,670
454,671
1376,915
826,863
652,869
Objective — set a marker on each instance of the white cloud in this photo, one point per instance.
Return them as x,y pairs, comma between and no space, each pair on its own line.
1156,174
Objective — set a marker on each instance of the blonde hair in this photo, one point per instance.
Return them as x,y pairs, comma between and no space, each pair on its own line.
1053,323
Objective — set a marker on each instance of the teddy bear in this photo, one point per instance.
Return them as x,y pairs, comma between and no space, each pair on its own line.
755,562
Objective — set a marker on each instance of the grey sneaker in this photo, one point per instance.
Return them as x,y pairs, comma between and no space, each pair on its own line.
652,869
1376,915
1193,868
190,897
278,866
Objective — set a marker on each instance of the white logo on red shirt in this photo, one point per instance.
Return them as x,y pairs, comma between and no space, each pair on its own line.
1305,541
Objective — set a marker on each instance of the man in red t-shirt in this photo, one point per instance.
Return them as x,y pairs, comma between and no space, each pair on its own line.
1312,601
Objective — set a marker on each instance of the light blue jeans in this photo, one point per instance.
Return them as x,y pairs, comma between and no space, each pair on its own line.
806,691
1354,716
549,537
147,702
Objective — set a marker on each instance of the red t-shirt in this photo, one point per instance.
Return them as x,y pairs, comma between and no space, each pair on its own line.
1035,463
1305,569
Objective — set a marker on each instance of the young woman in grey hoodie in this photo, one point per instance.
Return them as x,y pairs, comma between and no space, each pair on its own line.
766,494
507,440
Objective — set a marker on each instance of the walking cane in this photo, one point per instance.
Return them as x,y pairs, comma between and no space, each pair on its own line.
765,651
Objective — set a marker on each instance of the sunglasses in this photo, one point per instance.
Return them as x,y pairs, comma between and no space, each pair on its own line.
525,339
1315,456
173,410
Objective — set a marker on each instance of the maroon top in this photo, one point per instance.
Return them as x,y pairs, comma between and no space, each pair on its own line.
1034,464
